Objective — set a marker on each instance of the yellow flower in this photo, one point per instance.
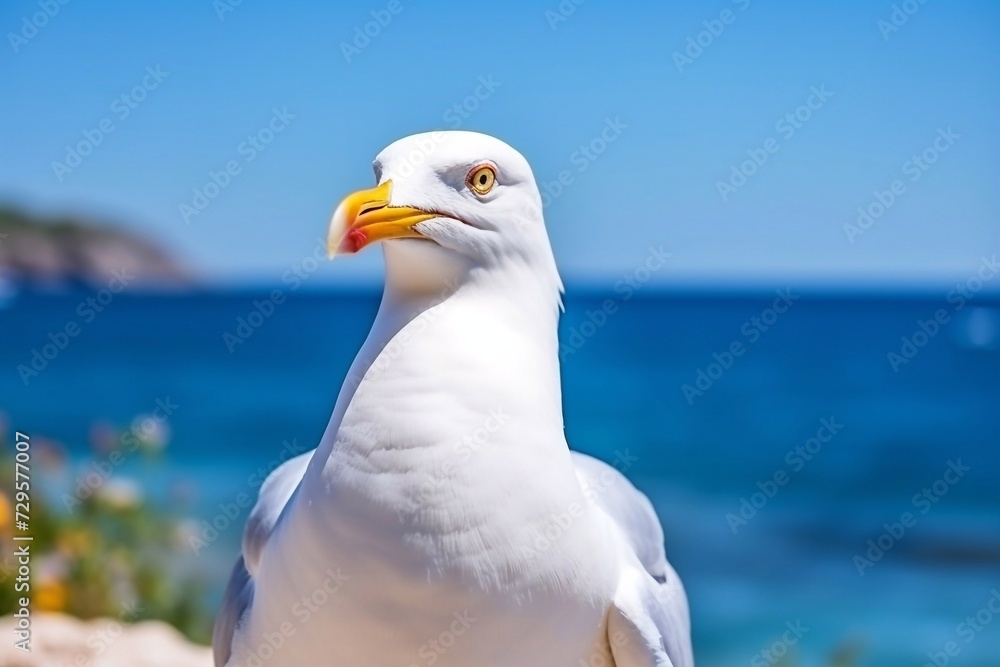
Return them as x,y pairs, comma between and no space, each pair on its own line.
75,541
50,596
5,512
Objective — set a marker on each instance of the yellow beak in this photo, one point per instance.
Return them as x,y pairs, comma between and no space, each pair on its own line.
365,217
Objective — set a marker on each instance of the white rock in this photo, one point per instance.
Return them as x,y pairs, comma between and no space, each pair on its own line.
58,640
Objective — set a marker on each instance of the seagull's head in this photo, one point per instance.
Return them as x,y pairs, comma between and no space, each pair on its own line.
449,206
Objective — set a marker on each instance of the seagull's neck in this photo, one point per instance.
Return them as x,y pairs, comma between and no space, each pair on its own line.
453,402
444,355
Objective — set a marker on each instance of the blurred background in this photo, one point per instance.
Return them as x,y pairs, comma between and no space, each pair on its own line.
778,227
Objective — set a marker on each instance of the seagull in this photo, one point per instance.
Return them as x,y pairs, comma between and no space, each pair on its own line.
443,519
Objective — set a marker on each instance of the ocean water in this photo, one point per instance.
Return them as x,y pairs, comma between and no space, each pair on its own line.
774,445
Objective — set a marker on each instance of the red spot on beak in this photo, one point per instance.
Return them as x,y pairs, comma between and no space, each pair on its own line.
355,240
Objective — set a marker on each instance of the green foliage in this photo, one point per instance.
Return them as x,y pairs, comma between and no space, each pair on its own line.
106,551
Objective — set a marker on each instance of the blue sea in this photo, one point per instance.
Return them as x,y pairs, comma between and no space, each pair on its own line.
776,434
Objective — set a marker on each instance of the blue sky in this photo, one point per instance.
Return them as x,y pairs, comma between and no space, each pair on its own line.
554,82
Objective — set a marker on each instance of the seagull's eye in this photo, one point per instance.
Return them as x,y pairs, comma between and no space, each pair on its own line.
481,179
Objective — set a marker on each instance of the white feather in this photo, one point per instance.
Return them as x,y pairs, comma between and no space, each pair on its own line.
443,519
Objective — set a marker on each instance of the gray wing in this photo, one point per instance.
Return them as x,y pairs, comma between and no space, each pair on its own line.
650,607
275,493
239,594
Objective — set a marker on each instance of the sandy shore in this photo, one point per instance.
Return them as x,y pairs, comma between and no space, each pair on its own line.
63,641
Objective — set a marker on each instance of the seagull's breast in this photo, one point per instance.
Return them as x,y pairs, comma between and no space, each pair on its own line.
449,508
450,463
